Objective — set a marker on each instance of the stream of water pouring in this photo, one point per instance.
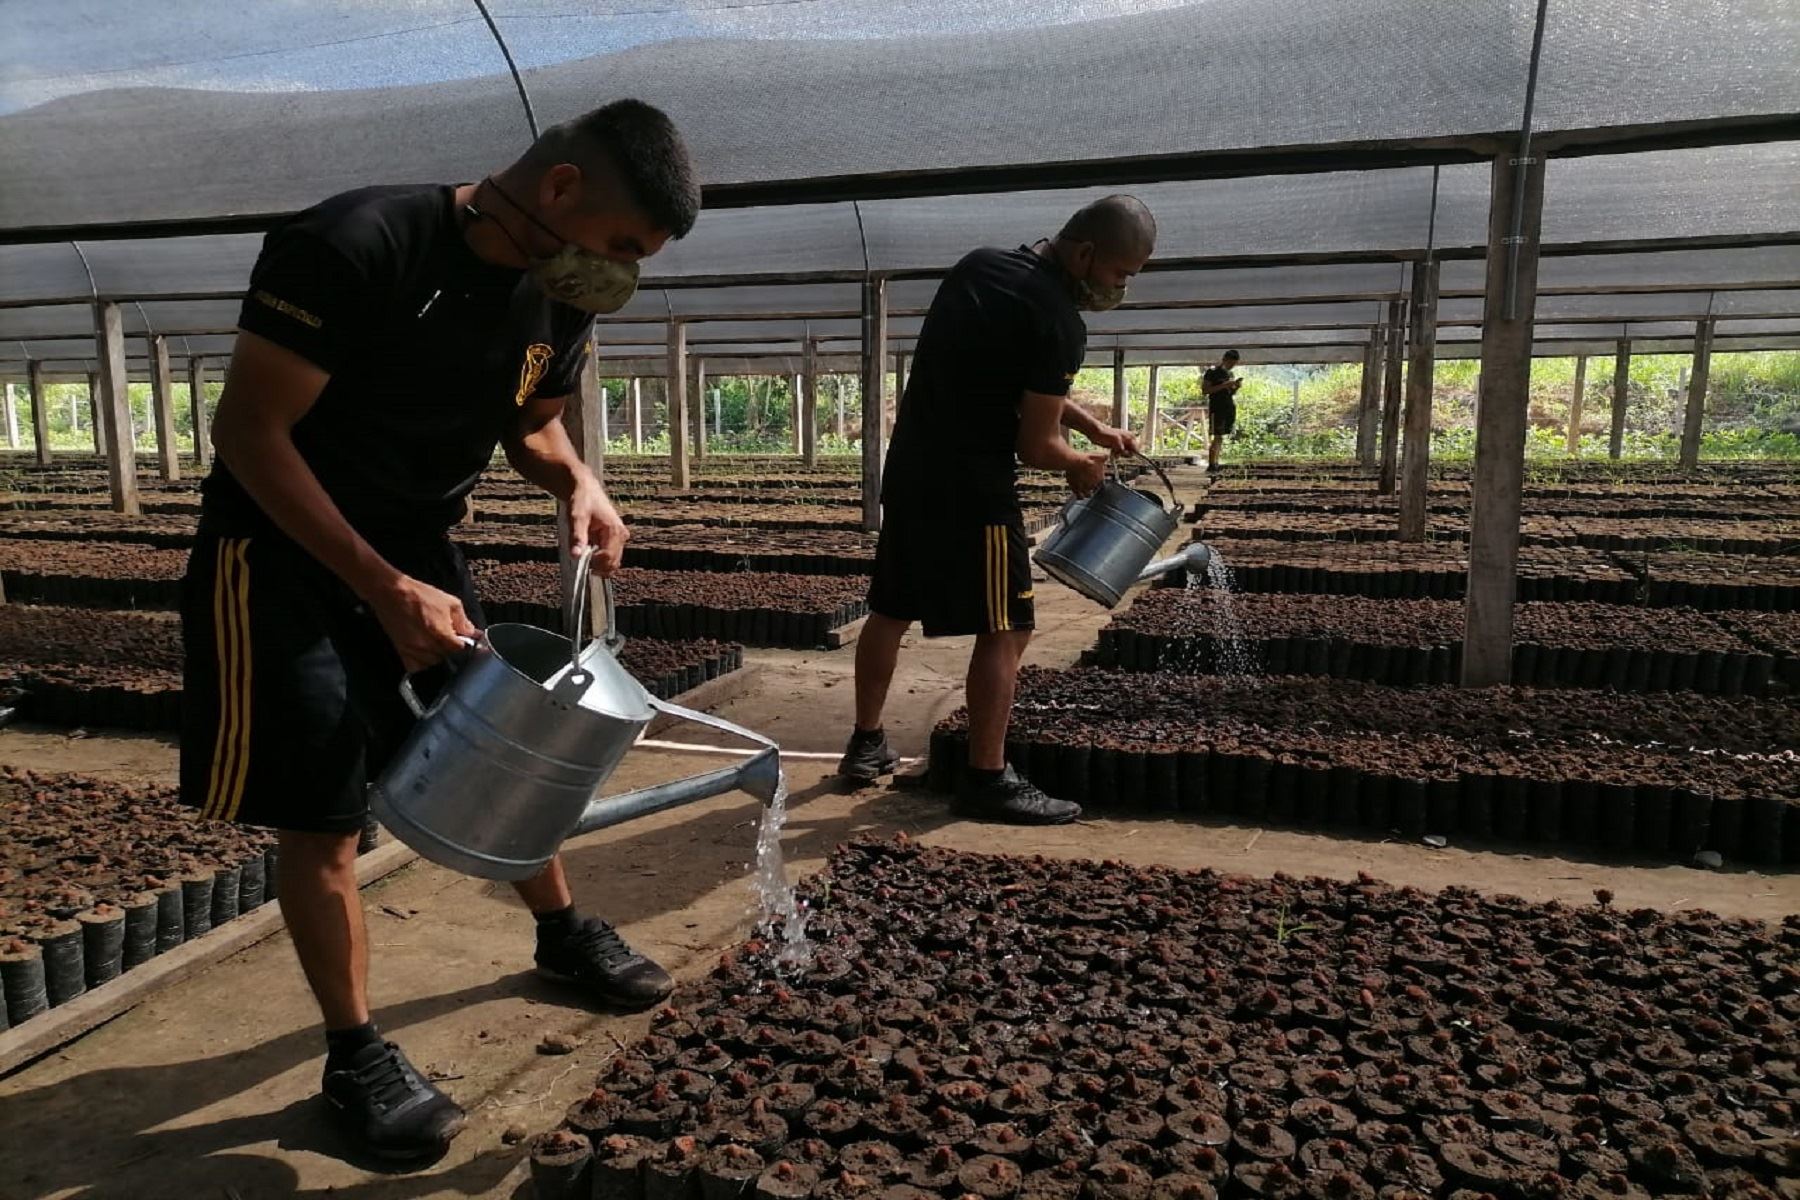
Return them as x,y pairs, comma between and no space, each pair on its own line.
1237,659
780,914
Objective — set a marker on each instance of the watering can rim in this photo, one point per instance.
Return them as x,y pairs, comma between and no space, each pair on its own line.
644,710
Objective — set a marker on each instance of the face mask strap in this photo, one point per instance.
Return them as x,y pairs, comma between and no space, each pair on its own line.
524,212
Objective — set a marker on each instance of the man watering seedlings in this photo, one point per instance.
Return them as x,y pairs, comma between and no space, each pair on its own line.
989,389
390,338
1220,387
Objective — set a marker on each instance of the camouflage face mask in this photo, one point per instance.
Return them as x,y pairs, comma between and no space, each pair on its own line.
575,275
578,277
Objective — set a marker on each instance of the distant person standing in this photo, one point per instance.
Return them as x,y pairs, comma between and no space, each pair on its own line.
1220,388
989,389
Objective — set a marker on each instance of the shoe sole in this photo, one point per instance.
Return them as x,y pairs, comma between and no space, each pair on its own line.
858,777
627,1003
340,1118
1002,819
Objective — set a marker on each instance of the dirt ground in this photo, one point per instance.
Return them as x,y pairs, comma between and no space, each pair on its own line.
207,1089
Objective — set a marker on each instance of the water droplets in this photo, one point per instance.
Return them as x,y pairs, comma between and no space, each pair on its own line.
780,914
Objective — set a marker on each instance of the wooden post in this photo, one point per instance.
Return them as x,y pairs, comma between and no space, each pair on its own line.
1119,392
1366,411
637,415
582,418
874,396
94,403
1150,414
699,409
1390,401
809,406
676,381
605,414
838,397
892,410
1500,436
1574,436
1621,394
798,431
115,408
162,404
40,412
197,410
12,418
1696,398
1421,351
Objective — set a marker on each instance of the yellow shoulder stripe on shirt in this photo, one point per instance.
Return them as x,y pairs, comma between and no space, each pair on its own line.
289,310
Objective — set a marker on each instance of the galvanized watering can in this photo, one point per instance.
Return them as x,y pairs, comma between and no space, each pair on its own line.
505,763
1107,540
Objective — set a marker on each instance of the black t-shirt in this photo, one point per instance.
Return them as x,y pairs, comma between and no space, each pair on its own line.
1224,396
1002,323
431,353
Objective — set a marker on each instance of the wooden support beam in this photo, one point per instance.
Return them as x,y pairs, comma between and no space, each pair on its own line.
1575,395
1151,414
874,397
40,412
115,408
1696,398
581,419
838,405
1367,414
637,414
809,405
1119,390
162,405
699,409
892,411
12,418
676,382
94,419
1500,435
798,431
1421,363
1621,395
1395,356
197,411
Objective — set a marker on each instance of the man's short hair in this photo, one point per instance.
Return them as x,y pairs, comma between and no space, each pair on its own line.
1116,225
644,150
1230,355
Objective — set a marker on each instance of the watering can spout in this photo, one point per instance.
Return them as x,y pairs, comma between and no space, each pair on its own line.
1193,560
759,775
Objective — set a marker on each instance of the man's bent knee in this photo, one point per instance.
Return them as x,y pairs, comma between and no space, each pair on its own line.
318,851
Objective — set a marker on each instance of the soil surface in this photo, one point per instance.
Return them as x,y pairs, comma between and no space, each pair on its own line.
208,1088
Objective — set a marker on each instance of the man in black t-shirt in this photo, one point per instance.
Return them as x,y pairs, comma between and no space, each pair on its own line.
989,388
1220,388
391,337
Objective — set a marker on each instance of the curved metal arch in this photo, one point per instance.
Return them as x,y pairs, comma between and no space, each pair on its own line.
513,67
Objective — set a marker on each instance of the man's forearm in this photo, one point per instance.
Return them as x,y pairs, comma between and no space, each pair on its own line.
267,464
547,458
1080,420
1054,455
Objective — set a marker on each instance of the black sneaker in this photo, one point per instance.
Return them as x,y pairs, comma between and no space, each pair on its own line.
1012,799
868,757
591,953
393,1111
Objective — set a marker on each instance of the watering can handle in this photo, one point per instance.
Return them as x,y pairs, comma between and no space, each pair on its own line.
1174,501
411,697
576,604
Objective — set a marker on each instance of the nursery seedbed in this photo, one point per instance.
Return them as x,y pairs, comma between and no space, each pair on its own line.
998,1027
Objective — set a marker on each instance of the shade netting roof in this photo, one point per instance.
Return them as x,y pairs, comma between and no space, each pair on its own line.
842,137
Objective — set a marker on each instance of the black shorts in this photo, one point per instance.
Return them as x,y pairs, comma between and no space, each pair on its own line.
1224,416
290,694
955,578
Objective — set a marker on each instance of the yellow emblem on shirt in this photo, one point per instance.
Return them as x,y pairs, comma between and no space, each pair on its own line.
537,360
